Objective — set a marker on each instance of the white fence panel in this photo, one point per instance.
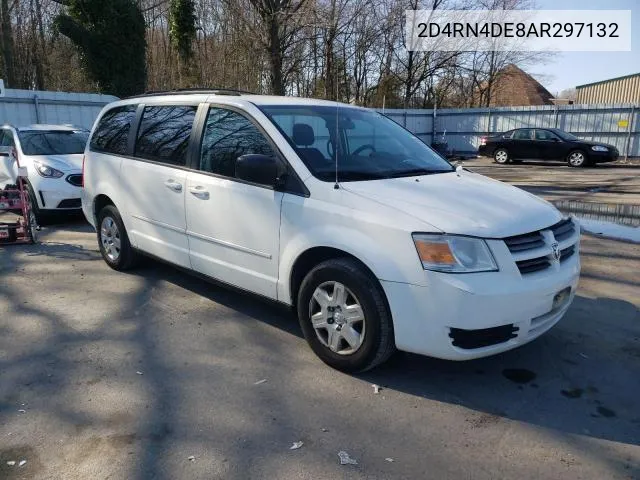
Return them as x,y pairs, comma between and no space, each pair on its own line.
26,107
616,124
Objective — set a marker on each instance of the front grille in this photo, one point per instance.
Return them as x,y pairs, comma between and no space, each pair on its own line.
567,252
75,179
563,230
70,203
528,241
484,337
533,265
520,245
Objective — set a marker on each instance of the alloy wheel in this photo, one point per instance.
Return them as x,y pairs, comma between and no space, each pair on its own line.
576,159
337,318
110,239
501,156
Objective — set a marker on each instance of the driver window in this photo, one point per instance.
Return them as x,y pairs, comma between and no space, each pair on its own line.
544,135
363,139
227,136
309,133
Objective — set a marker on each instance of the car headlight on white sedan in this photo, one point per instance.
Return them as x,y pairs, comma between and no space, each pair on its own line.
454,253
599,148
46,171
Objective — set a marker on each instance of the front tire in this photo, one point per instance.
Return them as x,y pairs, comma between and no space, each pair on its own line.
501,156
577,159
113,240
344,316
40,217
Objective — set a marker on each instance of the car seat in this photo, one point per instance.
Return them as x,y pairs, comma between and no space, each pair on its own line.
303,137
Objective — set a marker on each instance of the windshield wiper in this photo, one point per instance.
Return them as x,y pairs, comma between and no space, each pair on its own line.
354,176
415,172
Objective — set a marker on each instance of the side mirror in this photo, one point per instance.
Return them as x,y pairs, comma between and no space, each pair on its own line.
6,151
257,168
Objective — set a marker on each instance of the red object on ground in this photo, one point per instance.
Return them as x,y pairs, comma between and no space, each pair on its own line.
15,199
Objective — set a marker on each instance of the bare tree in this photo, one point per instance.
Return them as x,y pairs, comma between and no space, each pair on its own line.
347,50
7,43
281,20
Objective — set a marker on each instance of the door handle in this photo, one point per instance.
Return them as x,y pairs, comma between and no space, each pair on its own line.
173,185
199,192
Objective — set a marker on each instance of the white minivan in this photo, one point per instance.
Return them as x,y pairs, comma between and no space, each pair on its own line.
375,240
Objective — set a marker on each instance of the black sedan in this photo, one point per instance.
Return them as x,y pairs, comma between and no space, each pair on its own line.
546,144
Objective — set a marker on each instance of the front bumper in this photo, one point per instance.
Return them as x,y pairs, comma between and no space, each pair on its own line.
427,317
57,193
604,157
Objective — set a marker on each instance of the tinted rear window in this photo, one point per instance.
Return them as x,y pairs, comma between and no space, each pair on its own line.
112,133
164,133
523,134
36,142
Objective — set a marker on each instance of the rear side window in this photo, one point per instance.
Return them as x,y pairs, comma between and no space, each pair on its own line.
523,134
508,134
164,133
112,133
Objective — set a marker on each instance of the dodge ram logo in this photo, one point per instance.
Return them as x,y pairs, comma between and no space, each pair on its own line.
555,250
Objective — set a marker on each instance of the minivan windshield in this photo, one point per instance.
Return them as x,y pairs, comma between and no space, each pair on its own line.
366,144
57,142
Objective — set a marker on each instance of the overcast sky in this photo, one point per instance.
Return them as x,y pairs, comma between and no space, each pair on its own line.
569,69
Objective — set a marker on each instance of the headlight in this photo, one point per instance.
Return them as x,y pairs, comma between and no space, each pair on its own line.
47,171
599,148
454,254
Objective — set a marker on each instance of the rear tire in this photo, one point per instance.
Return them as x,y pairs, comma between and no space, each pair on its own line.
577,159
501,156
352,329
113,240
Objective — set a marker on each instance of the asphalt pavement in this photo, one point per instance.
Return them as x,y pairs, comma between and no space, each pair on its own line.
156,374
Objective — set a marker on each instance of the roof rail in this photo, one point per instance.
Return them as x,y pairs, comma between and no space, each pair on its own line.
210,91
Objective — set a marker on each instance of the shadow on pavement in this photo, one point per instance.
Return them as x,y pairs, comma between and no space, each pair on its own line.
574,376
200,347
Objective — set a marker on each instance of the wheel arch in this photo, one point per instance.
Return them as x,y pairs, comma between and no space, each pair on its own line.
99,202
102,200
308,259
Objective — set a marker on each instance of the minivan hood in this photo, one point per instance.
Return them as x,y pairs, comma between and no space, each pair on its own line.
63,163
462,203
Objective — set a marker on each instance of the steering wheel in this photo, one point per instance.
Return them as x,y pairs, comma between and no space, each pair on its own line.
407,160
330,149
360,149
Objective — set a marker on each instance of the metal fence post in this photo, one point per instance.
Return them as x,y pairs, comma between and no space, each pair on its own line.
629,129
36,105
489,122
555,116
434,130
